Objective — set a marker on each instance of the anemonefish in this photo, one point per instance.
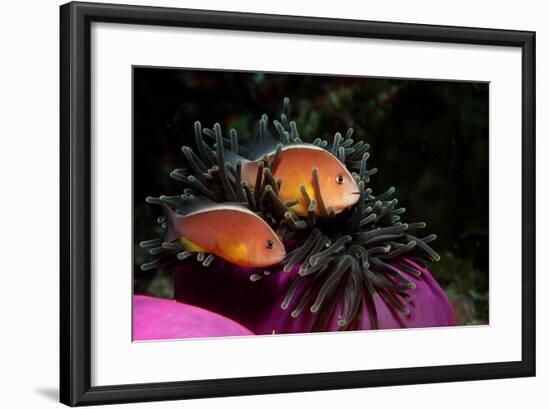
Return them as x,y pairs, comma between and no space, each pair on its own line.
230,232
338,188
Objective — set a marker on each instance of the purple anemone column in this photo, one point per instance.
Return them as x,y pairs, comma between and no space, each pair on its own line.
228,291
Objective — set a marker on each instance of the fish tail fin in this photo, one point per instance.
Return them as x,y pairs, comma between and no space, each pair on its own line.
172,232
171,217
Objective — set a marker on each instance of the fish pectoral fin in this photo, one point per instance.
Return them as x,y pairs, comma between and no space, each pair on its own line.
232,249
191,247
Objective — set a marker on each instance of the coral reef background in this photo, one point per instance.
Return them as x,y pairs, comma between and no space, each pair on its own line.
429,139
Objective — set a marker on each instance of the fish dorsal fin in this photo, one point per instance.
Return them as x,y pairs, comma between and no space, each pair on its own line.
193,205
304,145
270,149
199,205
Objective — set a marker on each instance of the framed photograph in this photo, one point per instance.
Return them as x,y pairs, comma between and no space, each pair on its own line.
261,203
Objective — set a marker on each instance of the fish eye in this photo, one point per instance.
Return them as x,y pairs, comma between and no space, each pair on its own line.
340,179
269,244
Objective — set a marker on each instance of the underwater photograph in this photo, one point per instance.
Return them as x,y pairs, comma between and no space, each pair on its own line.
287,203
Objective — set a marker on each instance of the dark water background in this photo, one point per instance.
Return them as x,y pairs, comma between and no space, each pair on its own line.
429,139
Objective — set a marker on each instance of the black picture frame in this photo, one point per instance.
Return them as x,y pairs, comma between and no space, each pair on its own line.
75,199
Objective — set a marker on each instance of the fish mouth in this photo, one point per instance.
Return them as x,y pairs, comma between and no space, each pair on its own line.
354,198
279,257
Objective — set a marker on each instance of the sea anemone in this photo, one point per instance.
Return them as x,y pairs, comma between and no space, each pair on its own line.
156,319
349,269
227,290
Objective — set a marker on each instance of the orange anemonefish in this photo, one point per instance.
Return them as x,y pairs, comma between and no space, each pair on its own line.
293,168
230,232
